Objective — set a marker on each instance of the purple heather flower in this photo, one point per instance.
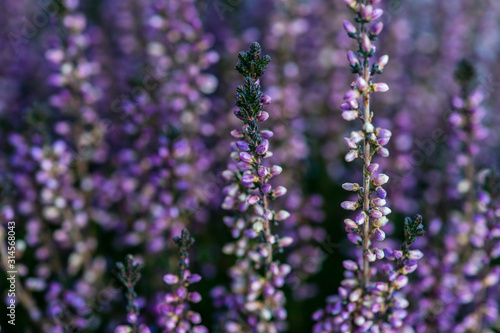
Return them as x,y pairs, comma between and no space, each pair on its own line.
381,193
350,265
361,218
282,215
351,94
382,62
170,279
265,100
351,155
279,191
249,178
350,186
350,115
350,223
380,87
381,179
246,157
242,145
366,44
266,134
350,205
263,147
262,116
377,13
349,28
361,84
379,234
276,170
383,152
353,59
401,281
367,12
252,200
376,29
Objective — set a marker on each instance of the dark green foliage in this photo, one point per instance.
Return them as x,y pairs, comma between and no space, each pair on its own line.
465,72
129,274
465,75
413,228
251,64
185,241
248,95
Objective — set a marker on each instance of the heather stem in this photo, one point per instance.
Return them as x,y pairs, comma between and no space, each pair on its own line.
366,175
267,231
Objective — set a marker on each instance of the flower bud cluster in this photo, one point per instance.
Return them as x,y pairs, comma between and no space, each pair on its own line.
129,274
464,282
363,305
257,276
174,313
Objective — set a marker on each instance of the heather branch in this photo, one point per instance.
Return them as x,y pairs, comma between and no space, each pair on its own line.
129,274
256,275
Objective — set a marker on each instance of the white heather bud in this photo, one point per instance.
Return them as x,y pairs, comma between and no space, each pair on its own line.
350,186
368,128
279,191
350,143
370,256
380,87
252,200
400,281
350,223
228,175
382,61
415,255
258,226
285,241
351,156
236,134
381,179
350,205
361,84
350,265
253,306
379,223
379,253
355,295
350,115
361,218
383,152
282,215
276,170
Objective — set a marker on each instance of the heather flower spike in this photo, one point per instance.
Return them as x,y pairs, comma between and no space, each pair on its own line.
471,231
175,314
364,304
255,302
129,274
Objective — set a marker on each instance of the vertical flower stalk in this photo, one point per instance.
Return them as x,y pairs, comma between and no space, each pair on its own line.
129,274
483,269
476,241
175,312
468,131
370,140
363,305
458,280
255,303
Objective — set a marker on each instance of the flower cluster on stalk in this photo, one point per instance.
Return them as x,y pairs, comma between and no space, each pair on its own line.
255,303
175,314
363,304
129,274
458,283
